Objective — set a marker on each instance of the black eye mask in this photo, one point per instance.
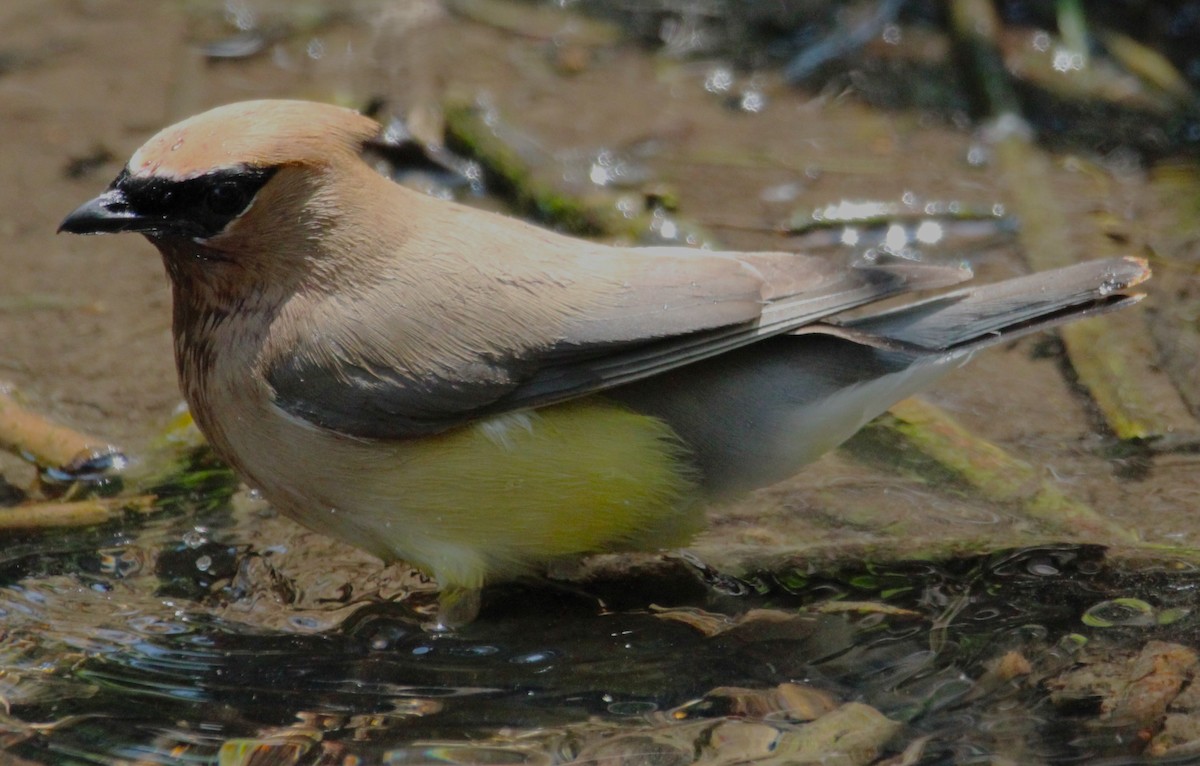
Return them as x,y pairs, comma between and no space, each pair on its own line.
197,208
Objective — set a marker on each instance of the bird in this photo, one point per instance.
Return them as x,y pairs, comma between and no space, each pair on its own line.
481,397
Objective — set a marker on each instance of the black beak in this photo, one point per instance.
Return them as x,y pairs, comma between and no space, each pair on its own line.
108,214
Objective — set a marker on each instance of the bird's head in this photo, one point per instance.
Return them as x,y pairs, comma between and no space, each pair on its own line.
241,192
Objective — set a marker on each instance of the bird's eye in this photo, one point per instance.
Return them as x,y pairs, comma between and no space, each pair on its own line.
226,198
196,208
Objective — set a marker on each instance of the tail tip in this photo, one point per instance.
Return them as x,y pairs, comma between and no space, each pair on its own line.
1137,270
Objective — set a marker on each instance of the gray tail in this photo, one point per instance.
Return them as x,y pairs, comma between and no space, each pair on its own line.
977,317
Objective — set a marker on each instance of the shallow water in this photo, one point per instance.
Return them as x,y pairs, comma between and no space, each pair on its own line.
100,666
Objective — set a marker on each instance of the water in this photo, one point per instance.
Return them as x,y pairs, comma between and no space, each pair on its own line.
98,663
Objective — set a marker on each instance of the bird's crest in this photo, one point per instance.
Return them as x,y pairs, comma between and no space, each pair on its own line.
265,133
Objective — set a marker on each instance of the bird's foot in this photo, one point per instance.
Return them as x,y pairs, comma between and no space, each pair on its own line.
457,606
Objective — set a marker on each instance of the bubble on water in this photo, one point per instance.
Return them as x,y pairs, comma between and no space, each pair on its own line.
1042,568
196,537
1120,612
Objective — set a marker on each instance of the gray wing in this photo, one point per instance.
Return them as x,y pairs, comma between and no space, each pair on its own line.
757,415
976,317
481,361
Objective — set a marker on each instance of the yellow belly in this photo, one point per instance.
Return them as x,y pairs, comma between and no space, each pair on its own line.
507,493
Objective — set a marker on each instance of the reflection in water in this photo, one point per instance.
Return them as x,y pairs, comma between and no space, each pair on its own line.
101,666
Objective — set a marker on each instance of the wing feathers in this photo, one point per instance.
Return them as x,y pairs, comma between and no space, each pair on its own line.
832,293
562,323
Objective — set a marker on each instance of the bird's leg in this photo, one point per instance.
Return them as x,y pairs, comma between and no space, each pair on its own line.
457,606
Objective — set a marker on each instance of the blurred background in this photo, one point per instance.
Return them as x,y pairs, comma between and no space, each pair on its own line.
1002,571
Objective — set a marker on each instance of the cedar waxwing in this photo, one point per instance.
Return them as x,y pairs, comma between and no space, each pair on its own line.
478,396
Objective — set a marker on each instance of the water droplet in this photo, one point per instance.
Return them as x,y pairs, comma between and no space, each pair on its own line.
718,80
753,101
978,155
929,232
194,538
238,13
1067,60
1109,286
896,238
599,174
